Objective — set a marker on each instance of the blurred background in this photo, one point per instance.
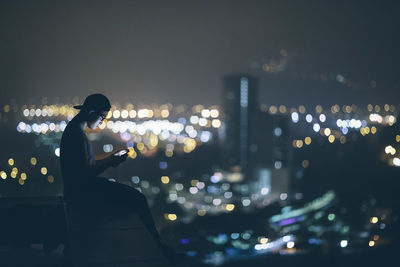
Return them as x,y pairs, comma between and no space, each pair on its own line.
261,132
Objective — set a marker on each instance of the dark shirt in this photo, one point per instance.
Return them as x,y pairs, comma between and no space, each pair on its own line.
77,160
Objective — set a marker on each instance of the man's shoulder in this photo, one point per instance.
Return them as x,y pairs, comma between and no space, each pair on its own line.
73,127
72,130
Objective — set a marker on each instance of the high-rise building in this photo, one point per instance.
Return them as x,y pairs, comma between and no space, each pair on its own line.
240,109
255,142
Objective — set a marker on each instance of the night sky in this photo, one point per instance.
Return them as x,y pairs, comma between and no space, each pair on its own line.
179,51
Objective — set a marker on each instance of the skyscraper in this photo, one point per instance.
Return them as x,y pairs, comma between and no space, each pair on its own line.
255,142
240,109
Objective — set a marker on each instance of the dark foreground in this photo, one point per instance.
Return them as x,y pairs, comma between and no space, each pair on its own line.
27,239
384,256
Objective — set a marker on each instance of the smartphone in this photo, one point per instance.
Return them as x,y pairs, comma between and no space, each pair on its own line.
122,152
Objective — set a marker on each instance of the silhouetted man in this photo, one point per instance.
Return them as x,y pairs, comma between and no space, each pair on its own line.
80,169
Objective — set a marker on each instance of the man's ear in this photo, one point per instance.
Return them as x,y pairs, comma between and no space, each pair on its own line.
91,115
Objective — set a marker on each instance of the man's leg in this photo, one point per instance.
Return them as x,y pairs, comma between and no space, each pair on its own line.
141,206
122,195
126,196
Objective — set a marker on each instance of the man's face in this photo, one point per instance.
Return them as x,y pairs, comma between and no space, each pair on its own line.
98,118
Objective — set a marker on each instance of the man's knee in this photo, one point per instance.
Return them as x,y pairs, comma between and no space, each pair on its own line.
135,195
140,196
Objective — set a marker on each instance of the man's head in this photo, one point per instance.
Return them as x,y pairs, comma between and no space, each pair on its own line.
95,109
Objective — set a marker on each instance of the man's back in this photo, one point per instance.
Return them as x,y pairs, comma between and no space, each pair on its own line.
76,159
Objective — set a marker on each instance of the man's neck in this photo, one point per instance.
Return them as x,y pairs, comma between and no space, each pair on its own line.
81,121
83,125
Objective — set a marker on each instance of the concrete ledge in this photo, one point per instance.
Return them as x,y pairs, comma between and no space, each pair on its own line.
108,236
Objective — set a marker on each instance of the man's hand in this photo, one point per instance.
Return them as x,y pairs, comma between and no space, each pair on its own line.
115,160
107,155
118,156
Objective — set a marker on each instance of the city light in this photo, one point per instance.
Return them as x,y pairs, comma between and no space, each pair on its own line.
295,117
165,179
264,190
230,207
171,216
390,150
316,127
307,140
50,179
327,131
309,118
374,220
43,170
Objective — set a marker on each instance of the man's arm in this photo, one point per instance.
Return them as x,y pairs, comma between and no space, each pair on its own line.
109,154
108,160
101,165
103,156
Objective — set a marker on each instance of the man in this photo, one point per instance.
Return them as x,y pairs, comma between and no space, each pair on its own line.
80,169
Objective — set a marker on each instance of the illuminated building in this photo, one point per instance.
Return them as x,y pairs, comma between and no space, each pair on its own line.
240,107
